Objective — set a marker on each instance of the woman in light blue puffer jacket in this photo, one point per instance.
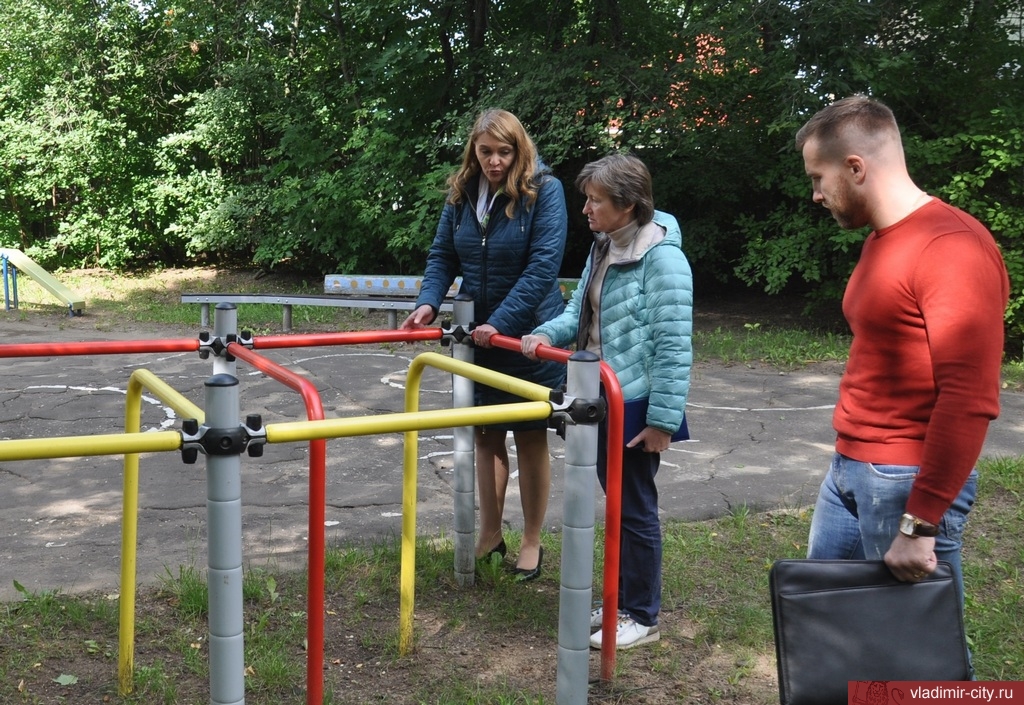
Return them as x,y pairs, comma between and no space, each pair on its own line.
634,309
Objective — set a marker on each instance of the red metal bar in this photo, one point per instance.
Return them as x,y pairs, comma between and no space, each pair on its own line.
612,521
613,496
99,347
317,448
265,342
318,470
317,515
317,500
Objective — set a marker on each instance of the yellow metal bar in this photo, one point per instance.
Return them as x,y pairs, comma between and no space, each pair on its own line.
537,409
410,423
129,543
82,446
291,431
185,409
407,572
497,380
140,379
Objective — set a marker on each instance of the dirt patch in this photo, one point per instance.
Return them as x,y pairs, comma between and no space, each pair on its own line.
360,665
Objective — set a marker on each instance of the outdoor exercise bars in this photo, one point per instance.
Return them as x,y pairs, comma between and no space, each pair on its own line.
234,349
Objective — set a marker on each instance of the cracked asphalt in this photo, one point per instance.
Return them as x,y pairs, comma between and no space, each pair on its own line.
760,437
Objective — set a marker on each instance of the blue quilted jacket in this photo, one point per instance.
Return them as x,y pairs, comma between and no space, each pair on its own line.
646,320
511,270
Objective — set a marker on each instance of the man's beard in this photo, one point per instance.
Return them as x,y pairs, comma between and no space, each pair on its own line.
847,207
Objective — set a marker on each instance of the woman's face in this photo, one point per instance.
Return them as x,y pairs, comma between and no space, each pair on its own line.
603,216
495,159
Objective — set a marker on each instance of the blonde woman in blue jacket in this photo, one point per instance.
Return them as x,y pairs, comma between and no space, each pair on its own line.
633,308
503,229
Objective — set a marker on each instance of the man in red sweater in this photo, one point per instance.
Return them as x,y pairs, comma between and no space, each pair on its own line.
925,304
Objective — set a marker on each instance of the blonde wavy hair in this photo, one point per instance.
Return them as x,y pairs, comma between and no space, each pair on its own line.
521,179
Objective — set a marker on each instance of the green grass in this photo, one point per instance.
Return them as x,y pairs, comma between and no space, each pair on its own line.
112,299
155,299
774,346
1013,374
793,348
994,560
715,583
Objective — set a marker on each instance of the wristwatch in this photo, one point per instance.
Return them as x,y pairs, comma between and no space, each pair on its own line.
913,527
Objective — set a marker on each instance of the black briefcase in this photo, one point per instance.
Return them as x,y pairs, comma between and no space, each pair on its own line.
841,621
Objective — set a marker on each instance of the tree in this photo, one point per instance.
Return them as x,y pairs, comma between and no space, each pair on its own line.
317,134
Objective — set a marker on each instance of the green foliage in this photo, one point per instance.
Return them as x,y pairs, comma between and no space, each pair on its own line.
318,137
989,155
921,58
189,590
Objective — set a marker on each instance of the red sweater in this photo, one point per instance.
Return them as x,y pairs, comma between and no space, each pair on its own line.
925,304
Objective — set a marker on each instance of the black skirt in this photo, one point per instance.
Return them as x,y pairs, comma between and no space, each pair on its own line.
515,364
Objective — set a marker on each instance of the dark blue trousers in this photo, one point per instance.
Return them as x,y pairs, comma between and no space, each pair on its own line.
640,548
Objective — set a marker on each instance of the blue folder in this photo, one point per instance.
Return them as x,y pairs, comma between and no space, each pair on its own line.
634,420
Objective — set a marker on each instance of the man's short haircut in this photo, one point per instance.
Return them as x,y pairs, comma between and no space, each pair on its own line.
859,114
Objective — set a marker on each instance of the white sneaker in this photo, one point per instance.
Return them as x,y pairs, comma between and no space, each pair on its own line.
596,617
628,633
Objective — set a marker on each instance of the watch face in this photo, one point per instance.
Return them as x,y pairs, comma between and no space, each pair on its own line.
907,525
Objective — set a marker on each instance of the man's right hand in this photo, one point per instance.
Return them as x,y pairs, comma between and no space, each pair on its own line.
911,559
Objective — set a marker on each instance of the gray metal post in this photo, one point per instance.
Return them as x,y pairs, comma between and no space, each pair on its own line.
583,381
7,292
224,551
286,318
225,323
465,478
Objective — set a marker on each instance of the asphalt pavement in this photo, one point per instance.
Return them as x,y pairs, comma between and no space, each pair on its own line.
760,437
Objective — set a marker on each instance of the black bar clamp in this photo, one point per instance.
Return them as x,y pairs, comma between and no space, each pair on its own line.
196,439
457,334
575,411
218,346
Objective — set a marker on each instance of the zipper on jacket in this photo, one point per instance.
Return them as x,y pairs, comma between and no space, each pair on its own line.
483,266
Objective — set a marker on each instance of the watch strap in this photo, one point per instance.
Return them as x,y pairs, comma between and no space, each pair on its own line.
920,526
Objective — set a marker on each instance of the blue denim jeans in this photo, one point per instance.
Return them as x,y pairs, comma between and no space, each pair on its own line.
640,538
858,511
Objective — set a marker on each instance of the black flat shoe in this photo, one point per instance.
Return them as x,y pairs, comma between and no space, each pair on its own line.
523,575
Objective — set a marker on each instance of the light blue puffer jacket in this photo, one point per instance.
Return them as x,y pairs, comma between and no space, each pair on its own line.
646,317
